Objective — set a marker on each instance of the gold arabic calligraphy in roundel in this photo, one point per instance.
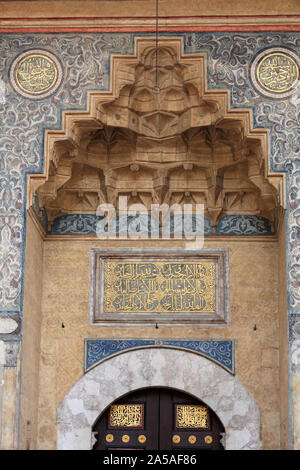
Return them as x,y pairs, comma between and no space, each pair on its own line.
275,72
36,74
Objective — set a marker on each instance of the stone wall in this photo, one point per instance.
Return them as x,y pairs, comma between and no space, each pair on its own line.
254,325
283,338
9,398
31,336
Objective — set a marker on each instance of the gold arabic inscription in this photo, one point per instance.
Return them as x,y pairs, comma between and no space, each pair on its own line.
159,286
277,72
126,416
36,74
191,416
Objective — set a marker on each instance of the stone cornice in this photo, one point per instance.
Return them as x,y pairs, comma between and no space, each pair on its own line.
147,24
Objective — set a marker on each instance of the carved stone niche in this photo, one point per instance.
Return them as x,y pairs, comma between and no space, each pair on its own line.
180,145
157,286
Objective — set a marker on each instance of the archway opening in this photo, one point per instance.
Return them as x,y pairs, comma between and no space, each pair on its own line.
158,418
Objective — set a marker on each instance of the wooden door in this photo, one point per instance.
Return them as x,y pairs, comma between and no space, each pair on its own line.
158,419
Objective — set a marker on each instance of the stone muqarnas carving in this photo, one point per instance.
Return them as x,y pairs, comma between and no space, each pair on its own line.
180,145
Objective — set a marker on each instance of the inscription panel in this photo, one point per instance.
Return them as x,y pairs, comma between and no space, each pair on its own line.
191,417
159,286
126,416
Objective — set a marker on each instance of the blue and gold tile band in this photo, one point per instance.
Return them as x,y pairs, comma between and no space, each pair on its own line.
220,351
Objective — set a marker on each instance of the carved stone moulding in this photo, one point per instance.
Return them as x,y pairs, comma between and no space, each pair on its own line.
148,286
183,145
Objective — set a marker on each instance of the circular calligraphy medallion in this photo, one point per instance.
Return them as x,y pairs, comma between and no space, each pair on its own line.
275,72
176,439
125,438
36,74
109,438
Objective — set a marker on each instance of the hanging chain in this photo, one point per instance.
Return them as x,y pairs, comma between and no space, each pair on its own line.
156,88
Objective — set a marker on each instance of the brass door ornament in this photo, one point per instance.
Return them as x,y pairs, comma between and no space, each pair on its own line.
176,439
208,439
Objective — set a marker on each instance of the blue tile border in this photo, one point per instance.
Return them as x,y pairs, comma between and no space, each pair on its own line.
238,224
244,225
220,351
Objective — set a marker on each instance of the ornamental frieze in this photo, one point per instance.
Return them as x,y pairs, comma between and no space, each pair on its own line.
220,351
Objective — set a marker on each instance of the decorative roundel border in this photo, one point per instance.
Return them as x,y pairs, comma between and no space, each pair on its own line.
43,53
254,67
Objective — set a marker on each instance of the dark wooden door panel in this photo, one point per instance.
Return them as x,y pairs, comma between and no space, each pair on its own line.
123,437
158,419
165,419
